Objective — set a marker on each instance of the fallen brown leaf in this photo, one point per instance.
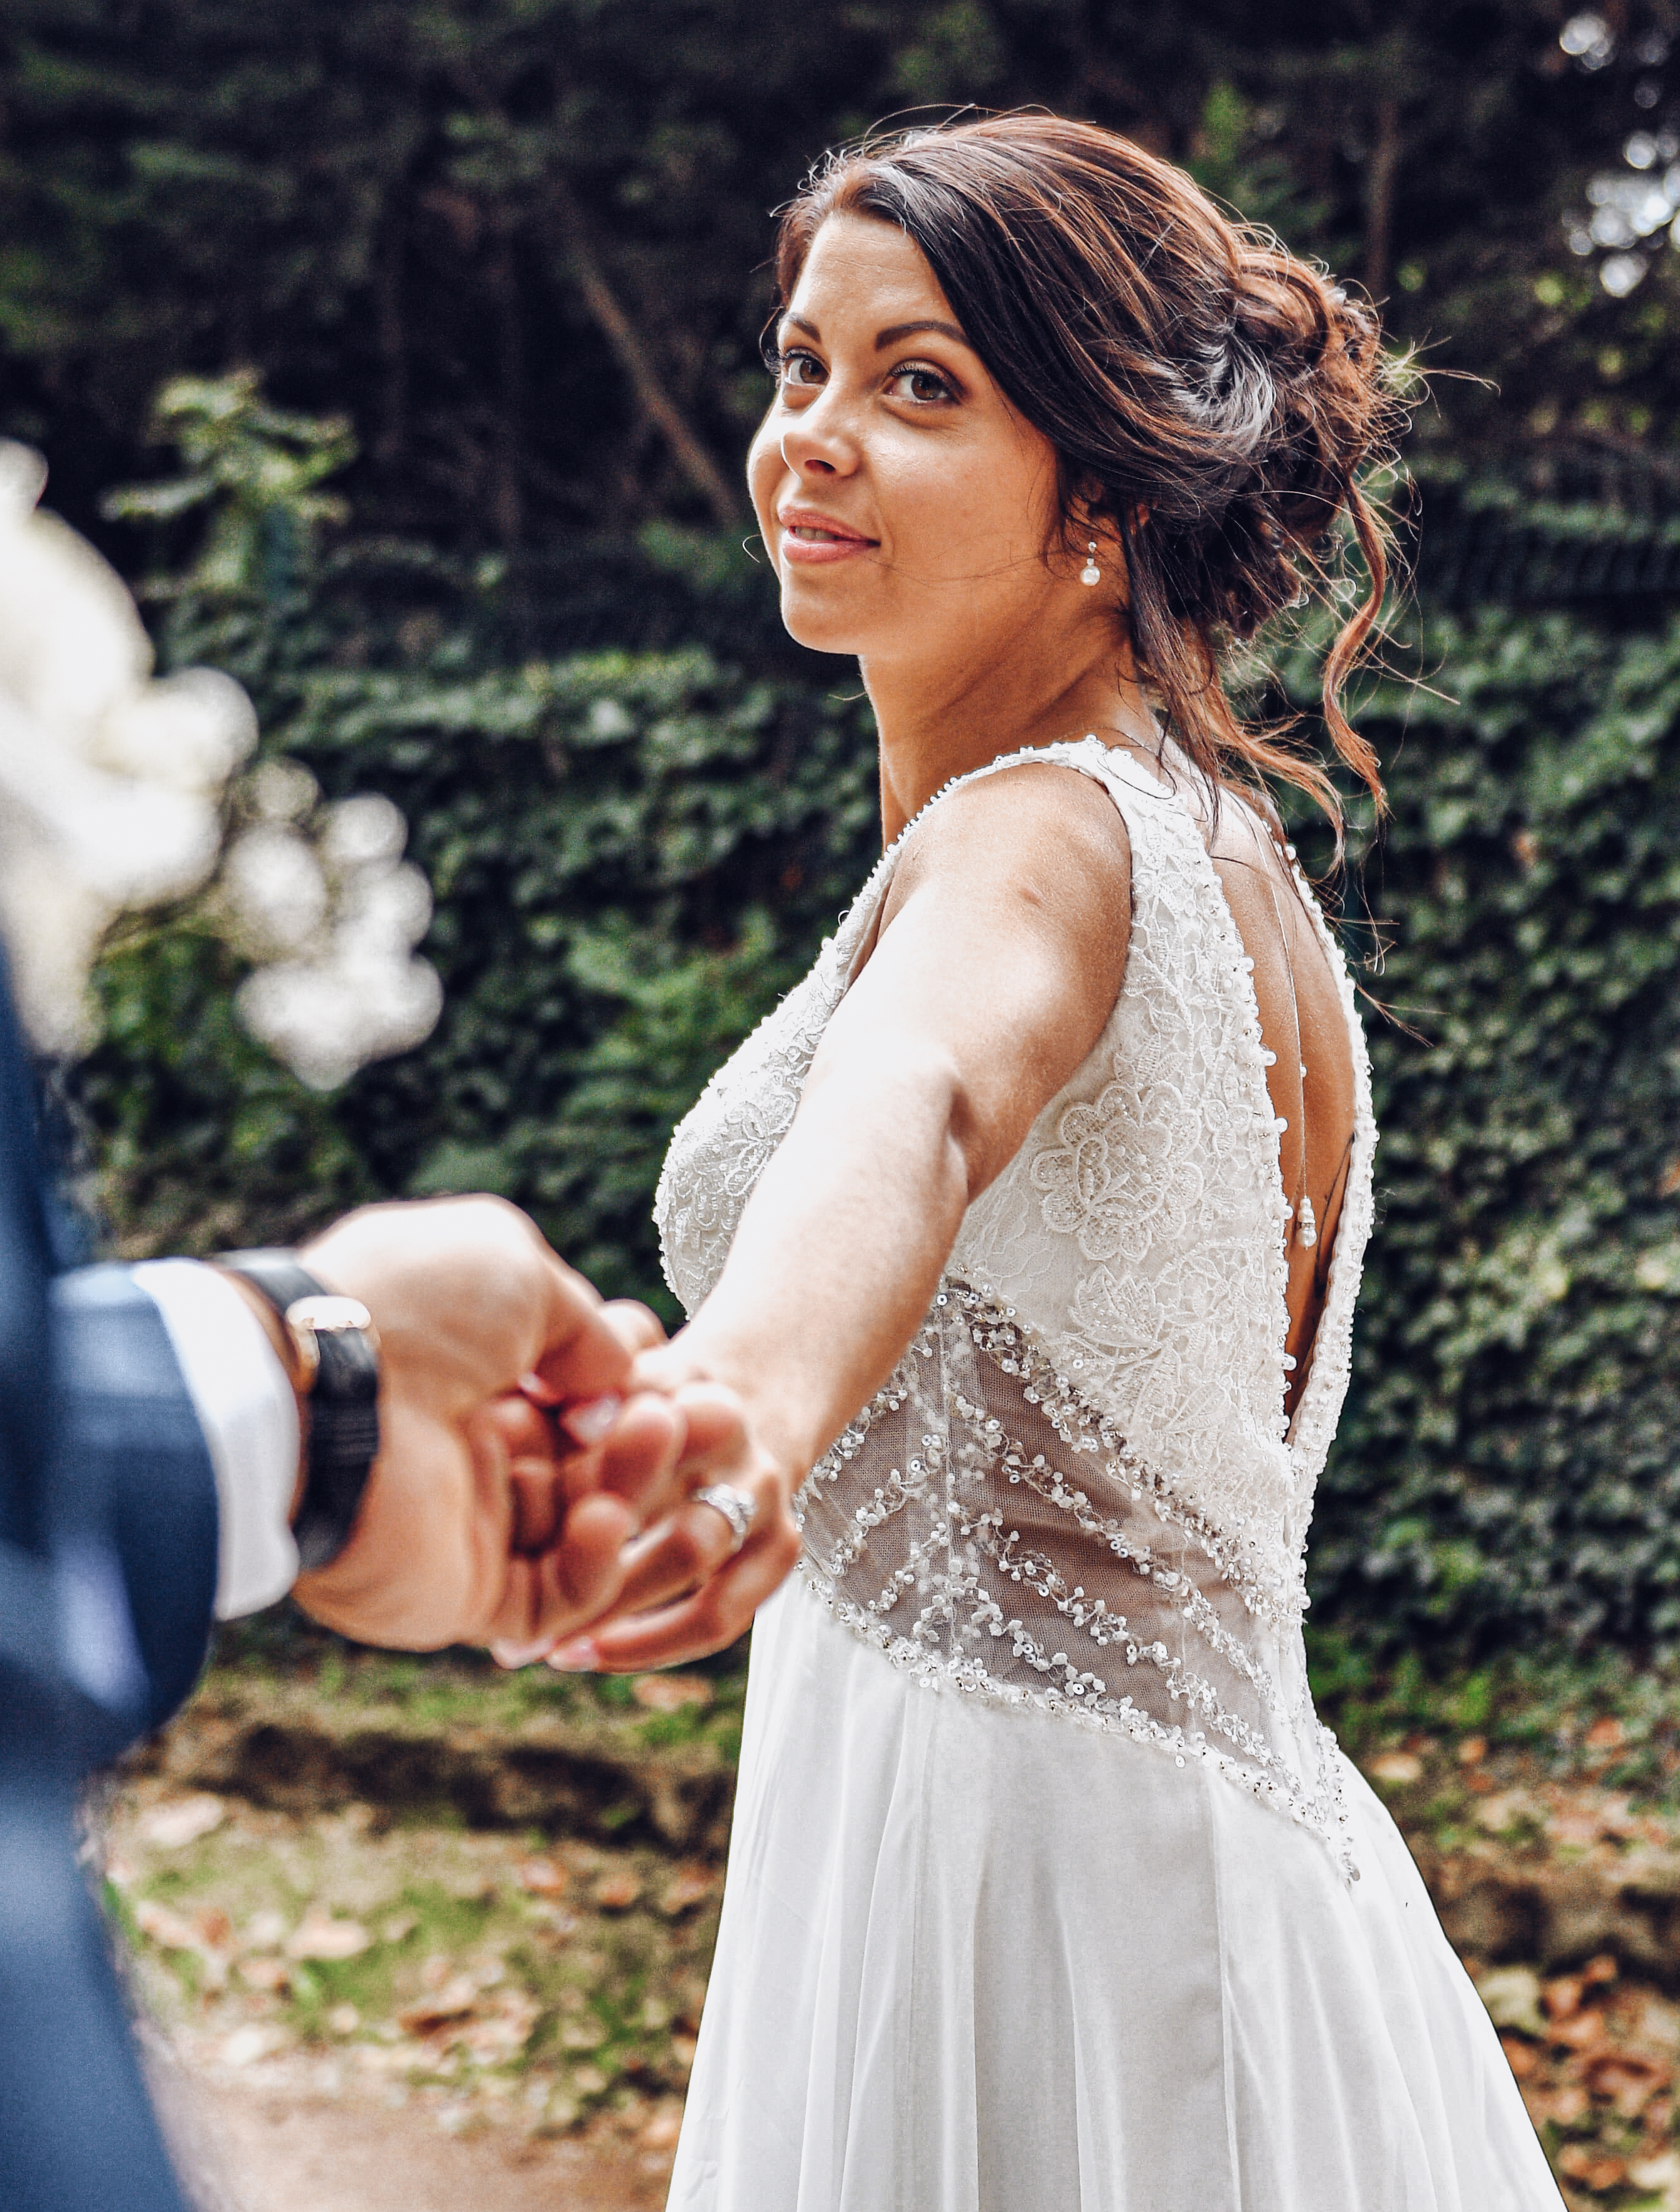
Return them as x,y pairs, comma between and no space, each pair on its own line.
181,1821
270,1974
1580,2031
1597,2169
216,1929
543,1876
1472,1751
663,2128
692,1885
246,2046
1396,1766
1498,1814
1563,1997
506,2032
1564,2104
170,1931
1576,1827
1623,2079
454,2001
617,1893
319,1936
668,1693
1606,1734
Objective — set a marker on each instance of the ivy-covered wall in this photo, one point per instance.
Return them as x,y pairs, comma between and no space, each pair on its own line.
635,851
1509,1466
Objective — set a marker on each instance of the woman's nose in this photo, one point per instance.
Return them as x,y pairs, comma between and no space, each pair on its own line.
812,448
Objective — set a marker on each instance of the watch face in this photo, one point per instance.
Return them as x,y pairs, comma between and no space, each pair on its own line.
326,1313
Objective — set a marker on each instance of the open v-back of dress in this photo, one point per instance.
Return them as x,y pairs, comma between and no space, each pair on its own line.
1054,1936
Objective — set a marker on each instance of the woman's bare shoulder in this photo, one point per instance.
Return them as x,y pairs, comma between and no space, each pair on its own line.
1044,830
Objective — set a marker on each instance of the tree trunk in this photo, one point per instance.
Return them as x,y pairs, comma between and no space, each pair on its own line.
1379,199
637,363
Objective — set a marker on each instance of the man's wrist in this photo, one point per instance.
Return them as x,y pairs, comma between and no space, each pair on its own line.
331,1354
275,1330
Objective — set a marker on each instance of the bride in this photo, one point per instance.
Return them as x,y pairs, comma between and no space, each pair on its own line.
1029,1228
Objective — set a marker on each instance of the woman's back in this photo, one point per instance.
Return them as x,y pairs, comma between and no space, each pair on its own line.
1079,1489
1022,1942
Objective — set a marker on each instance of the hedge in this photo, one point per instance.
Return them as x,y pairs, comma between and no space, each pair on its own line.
636,850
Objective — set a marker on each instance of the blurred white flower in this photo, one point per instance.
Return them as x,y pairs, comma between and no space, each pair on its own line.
350,910
275,888
1588,38
110,782
281,791
112,788
1621,273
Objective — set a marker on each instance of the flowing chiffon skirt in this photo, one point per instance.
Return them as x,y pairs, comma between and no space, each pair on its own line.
978,1959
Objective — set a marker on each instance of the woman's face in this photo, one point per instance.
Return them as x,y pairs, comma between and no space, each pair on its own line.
907,507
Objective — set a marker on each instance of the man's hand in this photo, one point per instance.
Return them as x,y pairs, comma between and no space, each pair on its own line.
484,1519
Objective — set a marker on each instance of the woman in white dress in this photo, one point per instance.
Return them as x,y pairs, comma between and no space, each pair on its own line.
1029,1227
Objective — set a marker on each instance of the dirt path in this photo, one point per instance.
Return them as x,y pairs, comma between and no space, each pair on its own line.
409,1959
275,2151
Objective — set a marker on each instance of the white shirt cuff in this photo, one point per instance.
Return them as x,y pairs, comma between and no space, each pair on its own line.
248,1414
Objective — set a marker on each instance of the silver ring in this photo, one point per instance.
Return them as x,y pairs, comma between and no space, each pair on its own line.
737,1506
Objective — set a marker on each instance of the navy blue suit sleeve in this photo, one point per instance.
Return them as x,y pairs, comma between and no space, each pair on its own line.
134,1480
107,1574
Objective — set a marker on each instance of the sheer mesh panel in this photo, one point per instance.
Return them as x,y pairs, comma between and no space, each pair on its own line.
987,1528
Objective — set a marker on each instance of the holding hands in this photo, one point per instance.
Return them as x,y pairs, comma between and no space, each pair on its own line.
692,1582
525,1445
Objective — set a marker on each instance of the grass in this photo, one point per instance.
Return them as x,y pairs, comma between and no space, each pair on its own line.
1602,1719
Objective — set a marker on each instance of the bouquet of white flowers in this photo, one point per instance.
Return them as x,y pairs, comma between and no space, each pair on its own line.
119,790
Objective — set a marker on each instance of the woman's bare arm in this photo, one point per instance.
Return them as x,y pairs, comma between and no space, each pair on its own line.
999,958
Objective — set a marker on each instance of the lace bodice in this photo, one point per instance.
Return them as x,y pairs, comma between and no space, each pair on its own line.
1079,1489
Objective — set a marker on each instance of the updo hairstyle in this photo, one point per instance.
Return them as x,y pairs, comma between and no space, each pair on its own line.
1212,398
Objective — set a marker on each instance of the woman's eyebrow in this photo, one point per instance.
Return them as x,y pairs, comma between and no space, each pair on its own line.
802,323
894,332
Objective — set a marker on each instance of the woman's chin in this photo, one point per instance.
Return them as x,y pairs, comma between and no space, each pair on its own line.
823,628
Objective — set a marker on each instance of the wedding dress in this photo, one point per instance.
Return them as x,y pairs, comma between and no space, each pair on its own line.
1047,1890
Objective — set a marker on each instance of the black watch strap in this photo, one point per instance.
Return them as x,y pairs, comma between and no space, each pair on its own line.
336,1353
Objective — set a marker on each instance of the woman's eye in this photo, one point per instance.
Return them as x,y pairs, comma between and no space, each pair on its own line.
923,387
796,370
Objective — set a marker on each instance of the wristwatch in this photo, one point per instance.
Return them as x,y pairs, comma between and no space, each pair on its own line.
333,1362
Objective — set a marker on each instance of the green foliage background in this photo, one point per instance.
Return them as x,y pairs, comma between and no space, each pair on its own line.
636,850
414,212
518,245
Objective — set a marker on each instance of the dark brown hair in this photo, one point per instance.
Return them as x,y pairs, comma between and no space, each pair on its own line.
1212,398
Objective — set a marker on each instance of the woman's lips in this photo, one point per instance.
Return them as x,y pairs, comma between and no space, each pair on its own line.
811,540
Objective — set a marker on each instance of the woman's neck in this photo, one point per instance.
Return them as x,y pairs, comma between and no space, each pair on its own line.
932,730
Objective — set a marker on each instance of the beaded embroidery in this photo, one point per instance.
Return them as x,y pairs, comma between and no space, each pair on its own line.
1078,1490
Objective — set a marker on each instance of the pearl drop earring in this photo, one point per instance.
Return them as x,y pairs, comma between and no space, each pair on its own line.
1091,573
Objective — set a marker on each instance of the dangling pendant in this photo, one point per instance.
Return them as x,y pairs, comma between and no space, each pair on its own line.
1091,573
1308,1230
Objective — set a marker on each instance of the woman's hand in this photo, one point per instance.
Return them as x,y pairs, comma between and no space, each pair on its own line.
687,1591
517,1460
